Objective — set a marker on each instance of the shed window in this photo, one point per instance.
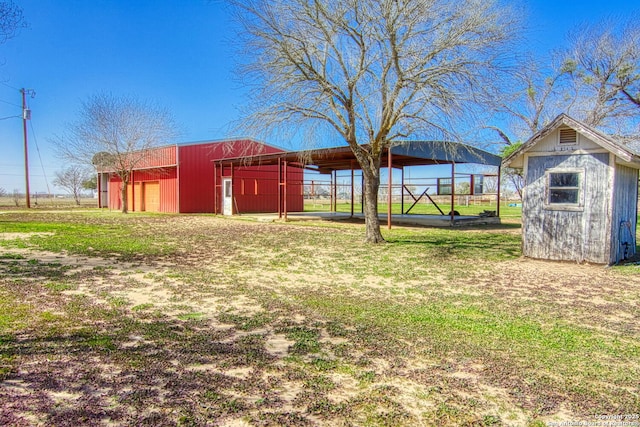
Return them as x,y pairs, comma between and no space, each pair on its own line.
564,189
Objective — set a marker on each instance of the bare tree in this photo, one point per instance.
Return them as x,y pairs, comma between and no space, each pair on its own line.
605,62
115,131
596,80
17,196
3,192
72,179
11,20
534,96
371,71
91,183
526,102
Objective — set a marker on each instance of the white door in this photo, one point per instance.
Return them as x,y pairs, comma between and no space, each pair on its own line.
227,196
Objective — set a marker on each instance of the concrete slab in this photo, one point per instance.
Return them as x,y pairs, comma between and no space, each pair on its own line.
406,219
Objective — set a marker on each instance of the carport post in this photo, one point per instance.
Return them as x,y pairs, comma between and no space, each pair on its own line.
361,192
352,192
285,191
279,189
389,188
331,192
402,192
334,191
453,191
215,188
498,191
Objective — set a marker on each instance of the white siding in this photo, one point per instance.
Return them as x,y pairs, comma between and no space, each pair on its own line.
550,144
625,212
567,235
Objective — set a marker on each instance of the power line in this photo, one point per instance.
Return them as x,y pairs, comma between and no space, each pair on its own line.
20,174
18,165
46,181
10,103
9,86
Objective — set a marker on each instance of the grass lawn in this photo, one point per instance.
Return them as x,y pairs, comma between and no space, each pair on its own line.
421,208
141,319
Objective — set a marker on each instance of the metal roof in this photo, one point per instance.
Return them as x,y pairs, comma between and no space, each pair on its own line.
403,153
439,152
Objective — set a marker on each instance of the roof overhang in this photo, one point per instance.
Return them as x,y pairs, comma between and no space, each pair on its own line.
403,153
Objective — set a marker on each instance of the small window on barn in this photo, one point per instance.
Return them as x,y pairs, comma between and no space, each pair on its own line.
567,136
444,186
478,184
564,189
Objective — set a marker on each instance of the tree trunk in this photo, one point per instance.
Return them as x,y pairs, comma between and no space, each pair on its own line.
123,196
371,220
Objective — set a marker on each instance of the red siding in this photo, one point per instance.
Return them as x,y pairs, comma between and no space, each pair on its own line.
152,158
156,157
255,189
196,171
115,185
167,179
189,187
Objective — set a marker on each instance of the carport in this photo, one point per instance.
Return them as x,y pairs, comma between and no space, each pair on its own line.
398,156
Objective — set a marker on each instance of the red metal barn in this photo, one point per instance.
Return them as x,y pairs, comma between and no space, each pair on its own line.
191,178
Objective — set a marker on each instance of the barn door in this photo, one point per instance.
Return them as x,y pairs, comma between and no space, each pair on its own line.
152,196
227,196
134,197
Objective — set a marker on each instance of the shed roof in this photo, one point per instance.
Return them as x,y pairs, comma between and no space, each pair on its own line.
628,152
403,153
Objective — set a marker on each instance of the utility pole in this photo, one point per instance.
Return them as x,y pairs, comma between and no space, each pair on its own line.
26,115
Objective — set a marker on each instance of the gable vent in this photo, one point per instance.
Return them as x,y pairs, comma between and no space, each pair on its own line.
568,136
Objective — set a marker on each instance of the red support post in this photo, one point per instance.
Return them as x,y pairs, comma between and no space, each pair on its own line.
453,191
285,190
361,192
402,192
334,184
215,189
352,190
498,192
389,188
279,189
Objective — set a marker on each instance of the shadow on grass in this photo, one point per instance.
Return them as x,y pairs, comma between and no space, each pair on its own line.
67,361
152,371
474,245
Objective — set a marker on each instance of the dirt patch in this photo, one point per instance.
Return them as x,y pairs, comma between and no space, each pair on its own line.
214,331
14,236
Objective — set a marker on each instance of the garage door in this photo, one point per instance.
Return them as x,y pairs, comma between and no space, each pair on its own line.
134,198
152,196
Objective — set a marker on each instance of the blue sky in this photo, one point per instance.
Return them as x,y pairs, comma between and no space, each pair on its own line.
173,52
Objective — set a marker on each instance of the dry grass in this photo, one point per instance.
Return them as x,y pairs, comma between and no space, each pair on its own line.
196,320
